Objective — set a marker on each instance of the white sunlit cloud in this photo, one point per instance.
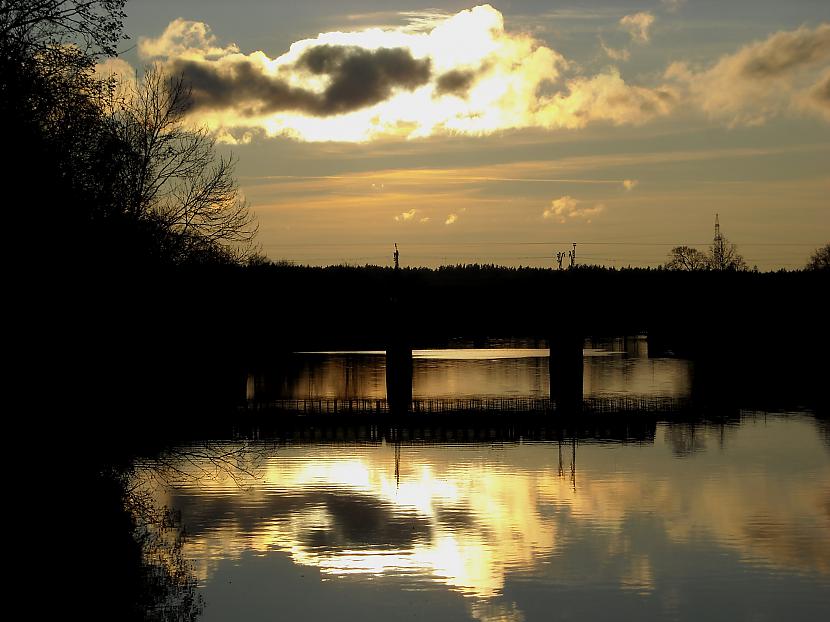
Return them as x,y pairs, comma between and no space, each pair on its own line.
567,208
638,25
422,83
406,216
185,39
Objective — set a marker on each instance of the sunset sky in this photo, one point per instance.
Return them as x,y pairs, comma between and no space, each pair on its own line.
502,133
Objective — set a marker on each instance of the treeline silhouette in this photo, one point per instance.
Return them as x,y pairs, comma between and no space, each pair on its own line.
342,305
104,190
109,194
115,180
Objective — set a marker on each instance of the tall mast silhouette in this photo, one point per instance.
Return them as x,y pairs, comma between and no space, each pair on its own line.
718,252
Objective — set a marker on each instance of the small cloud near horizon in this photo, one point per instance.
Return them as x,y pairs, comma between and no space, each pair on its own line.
406,216
567,208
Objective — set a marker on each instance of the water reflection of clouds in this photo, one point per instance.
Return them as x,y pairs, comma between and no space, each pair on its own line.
470,518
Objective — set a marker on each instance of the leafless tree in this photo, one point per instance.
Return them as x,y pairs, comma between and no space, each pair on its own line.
175,176
820,260
94,25
725,256
687,258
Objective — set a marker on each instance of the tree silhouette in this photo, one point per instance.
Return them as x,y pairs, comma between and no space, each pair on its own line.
725,256
117,176
687,258
94,26
820,260
175,179
722,255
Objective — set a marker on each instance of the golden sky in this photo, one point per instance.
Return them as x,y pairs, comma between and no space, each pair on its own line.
504,132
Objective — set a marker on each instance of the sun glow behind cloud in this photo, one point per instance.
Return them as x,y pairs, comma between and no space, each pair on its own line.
405,82
357,86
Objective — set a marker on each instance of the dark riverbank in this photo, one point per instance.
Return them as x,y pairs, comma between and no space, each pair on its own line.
275,307
150,352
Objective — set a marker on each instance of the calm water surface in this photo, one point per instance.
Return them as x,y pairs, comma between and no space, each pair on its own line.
611,367
723,520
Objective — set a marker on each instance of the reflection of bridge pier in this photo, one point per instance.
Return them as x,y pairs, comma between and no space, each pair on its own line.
636,346
399,376
566,368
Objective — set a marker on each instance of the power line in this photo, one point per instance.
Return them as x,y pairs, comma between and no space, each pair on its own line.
501,243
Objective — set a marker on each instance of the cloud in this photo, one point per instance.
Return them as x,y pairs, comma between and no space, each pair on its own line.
672,6
115,67
355,78
184,39
358,77
567,208
455,82
605,97
638,26
451,219
621,54
759,81
400,82
406,216
783,52
630,184
821,91
816,98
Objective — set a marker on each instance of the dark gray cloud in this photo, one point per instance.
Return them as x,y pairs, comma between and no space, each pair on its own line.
361,77
244,87
358,78
456,82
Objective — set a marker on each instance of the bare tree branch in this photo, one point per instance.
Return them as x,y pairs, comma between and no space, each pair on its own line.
177,178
